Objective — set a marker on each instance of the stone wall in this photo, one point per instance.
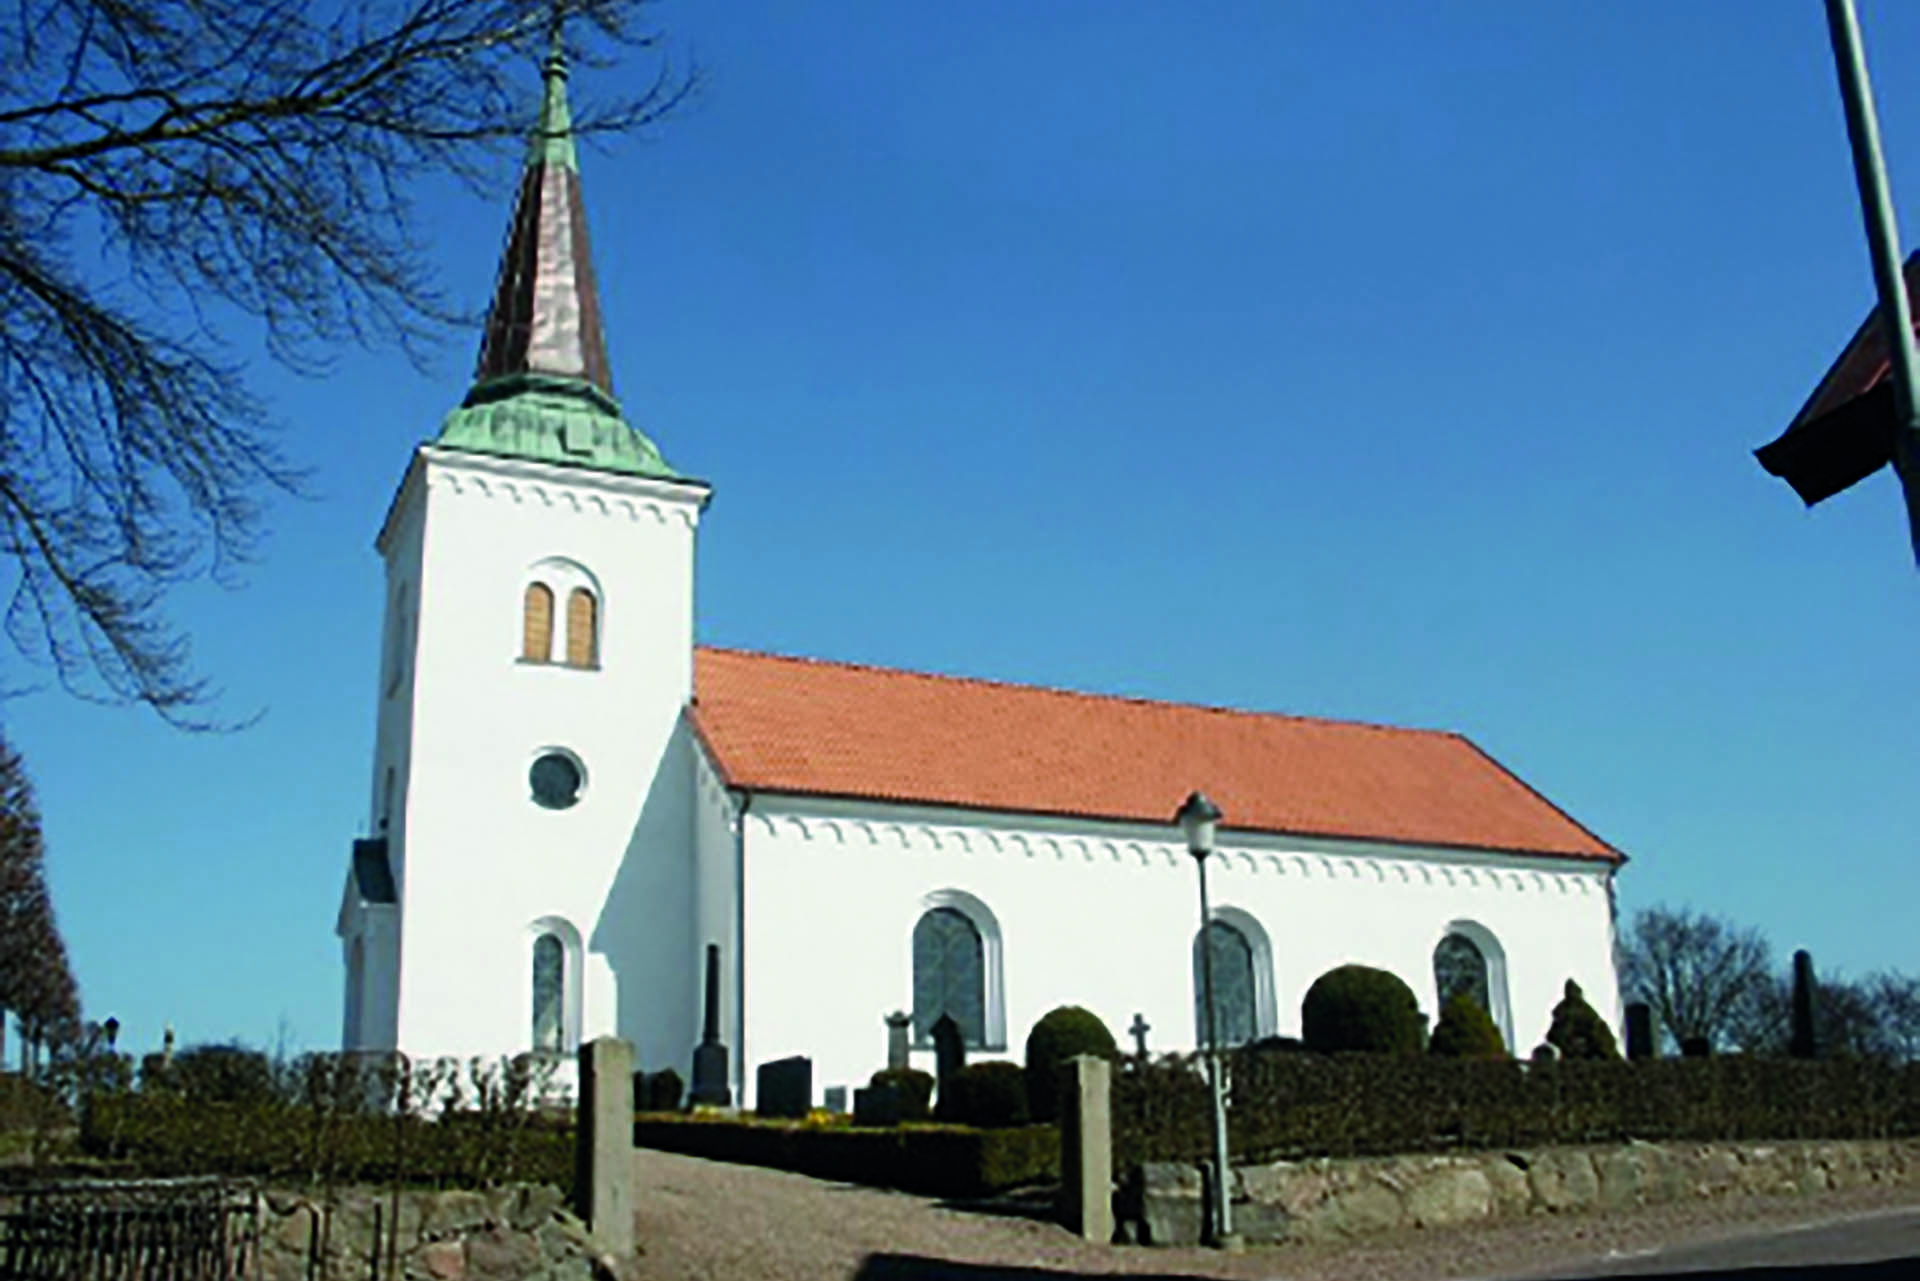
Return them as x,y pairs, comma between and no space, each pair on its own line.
1331,1199
508,1234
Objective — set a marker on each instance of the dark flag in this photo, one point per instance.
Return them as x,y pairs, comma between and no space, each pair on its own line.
1846,430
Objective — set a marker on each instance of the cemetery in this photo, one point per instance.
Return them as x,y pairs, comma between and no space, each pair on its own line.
380,1167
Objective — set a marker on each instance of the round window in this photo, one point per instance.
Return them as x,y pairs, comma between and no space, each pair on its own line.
555,778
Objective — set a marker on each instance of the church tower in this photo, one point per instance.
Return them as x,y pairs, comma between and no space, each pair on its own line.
528,882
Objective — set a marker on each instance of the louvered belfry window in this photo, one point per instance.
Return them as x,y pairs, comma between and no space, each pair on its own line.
583,643
536,625
1232,986
949,976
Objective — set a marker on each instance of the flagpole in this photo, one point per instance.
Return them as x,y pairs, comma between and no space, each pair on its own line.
1883,241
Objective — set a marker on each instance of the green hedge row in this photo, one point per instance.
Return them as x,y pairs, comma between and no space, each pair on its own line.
161,1135
933,1160
1292,1105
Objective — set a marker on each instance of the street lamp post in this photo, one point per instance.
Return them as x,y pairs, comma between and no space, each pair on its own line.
1198,818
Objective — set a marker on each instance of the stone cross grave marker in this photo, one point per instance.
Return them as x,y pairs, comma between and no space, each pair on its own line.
898,1023
1139,1032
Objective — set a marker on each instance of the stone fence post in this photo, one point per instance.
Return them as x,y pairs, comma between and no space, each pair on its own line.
603,1153
1086,1149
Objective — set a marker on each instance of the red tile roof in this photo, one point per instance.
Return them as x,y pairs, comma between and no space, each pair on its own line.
805,726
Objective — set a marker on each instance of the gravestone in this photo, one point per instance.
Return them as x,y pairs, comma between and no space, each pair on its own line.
1804,1043
836,1098
1639,1031
710,1057
1086,1149
949,1051
604,1187
899,1023
1696,1047
1139,1032
876,1105
784,1087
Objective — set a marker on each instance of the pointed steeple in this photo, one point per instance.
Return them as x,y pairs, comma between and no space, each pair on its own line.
544,388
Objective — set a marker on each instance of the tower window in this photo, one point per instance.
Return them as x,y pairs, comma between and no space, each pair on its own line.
583,641
549,993
536,628
556,779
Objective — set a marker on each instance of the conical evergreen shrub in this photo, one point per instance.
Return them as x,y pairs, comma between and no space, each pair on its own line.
1466,1031
1578,1031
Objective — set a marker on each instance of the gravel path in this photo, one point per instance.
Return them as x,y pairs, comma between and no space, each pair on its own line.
707,1221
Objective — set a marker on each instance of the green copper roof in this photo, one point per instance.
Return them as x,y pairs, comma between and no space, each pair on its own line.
550,421
552,142
544,389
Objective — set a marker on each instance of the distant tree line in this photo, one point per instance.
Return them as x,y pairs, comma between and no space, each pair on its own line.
36,983
1709,979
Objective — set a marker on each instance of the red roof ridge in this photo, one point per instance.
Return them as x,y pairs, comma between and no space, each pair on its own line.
1093,695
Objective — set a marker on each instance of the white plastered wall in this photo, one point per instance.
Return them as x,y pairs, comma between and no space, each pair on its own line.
479,862
1104,916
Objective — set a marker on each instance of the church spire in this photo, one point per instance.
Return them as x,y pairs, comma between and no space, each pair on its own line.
545,317
544,388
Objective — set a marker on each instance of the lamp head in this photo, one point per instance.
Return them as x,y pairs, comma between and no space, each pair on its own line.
1198,818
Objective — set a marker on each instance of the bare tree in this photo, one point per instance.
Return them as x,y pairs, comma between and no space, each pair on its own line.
36,983
1700,973
1896,1004
178,173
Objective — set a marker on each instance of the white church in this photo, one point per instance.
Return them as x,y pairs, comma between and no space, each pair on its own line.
572,800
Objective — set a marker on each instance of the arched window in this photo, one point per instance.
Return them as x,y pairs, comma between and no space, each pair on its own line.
1234,997
949,976
536,624
583,640
549,993
1469,959
1459,967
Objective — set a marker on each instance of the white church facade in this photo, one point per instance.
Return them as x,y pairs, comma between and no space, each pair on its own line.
571,801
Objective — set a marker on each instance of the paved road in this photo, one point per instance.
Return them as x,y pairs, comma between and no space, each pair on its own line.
1870,1247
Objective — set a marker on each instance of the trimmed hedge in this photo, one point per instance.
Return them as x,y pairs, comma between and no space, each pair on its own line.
991,1095
1298,1105
932,1160
914,1086
159,1134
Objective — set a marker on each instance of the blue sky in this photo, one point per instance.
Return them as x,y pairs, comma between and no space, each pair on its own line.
1398,362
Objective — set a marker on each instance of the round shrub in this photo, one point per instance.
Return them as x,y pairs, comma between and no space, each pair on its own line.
1466,1031
1061,1034
914,1087
1357,1008
990,1095
1578,1031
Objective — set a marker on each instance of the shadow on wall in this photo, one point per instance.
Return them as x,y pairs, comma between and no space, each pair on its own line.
646,925
913,1267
